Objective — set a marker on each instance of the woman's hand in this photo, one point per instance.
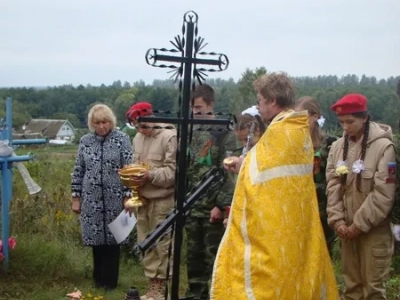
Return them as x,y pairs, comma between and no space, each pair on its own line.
76,205
126,207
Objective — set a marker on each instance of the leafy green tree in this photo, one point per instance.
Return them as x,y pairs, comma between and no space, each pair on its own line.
245,95
66,101
72,118
123,102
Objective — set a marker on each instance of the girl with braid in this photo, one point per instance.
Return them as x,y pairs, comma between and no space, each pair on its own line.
361,179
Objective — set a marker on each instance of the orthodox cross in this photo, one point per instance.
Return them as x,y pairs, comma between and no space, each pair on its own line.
6,160
188,69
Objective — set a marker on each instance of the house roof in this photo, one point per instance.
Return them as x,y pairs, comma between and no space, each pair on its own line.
26,135
45,127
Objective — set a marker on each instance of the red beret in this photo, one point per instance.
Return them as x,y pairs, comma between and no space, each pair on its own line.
350,104
139,109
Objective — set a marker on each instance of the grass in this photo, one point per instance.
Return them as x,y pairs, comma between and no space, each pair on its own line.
49,261
42,269
67,152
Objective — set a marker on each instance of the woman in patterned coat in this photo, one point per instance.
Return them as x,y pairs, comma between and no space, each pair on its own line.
97,193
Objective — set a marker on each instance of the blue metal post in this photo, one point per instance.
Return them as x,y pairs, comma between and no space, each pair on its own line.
7,177
29,142
6,183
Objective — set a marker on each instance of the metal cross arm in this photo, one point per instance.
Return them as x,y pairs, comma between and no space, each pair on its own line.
30,142
209,179
152,55
19,158
226,122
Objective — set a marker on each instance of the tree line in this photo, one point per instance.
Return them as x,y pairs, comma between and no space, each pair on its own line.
72,103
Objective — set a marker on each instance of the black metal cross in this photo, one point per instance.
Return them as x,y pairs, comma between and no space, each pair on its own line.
188,70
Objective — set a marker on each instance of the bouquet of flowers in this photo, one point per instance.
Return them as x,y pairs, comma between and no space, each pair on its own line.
11,244
342,170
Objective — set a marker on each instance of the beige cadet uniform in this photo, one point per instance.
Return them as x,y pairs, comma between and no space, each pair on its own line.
366,259
159,150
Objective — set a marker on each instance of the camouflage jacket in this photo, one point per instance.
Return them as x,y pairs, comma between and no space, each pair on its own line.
208,149
233,176
320,160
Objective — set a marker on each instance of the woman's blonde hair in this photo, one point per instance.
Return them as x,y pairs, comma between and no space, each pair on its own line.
101,112
311,105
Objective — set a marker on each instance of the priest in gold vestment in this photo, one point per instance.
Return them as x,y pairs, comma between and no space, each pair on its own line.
274,245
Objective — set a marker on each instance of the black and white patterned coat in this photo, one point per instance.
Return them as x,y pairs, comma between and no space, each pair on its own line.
96,181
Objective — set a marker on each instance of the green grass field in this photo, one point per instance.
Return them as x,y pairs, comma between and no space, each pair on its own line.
48,261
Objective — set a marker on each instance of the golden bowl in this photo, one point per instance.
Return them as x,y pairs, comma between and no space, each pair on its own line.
127,181
132,170
125,175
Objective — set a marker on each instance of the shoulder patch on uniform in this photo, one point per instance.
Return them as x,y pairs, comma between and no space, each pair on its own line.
392,172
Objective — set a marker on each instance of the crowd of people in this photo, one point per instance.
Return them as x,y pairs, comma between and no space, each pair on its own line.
268,230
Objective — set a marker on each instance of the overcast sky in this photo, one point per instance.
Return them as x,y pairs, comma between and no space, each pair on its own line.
55,42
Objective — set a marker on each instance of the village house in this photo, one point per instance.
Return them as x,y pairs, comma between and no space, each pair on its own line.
57,130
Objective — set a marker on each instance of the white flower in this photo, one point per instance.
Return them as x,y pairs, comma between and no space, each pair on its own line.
340,163
321,121
358,166
251,111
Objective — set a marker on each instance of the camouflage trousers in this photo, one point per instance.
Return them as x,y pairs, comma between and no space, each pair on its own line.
329,233
203,240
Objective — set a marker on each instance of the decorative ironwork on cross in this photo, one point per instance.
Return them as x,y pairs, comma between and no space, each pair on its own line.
190,48
189,67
